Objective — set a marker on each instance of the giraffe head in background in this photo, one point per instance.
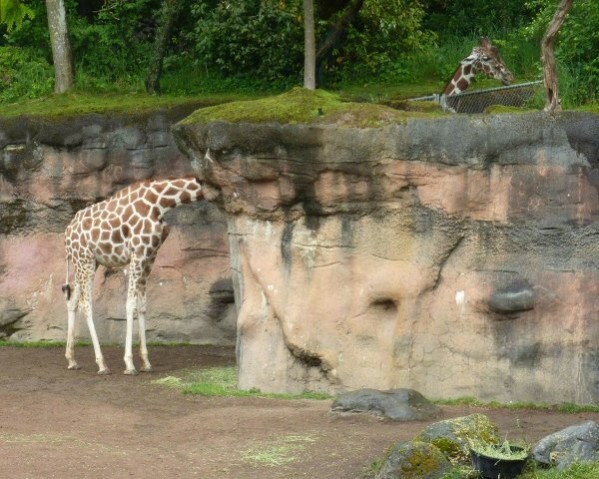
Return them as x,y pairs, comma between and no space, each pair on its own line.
484,58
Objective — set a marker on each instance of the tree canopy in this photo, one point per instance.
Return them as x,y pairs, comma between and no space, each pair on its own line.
217,45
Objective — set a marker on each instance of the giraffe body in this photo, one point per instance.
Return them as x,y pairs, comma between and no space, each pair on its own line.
126,229
484,58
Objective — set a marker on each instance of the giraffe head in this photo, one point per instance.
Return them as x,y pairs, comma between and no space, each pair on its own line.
487,60
484,58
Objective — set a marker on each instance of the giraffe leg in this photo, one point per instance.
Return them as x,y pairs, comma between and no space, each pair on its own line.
72,306
143,348
86,305
141,310
134,290
128,358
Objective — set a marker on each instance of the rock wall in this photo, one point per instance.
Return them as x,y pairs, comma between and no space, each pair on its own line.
456,256
51,168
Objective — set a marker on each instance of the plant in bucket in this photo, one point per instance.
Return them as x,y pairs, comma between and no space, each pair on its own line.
498,461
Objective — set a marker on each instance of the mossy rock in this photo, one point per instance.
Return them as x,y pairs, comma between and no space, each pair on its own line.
453,436
302,106
414,460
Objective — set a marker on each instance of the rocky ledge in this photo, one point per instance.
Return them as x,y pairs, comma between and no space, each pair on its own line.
456,256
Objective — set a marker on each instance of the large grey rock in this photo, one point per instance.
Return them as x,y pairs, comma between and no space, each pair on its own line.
453,436
397,404
578,443
438,254
414,460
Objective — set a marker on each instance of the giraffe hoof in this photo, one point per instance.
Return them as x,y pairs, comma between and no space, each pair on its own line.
104,372
130,372
73,367
147,369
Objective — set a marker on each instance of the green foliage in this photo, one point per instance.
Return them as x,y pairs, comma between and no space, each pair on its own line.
382,42
13,13
23,74
576,48
253,37
476,17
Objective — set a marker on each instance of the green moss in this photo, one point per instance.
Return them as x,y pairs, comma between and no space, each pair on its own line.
76,104
453,436
303,106
413,460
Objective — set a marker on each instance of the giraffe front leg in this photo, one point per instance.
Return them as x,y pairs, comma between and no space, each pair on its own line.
131,313
143,349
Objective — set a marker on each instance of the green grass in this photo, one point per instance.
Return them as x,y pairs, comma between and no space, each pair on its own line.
279,451
581,470
304,106
72,104
568,408
222,382
34,344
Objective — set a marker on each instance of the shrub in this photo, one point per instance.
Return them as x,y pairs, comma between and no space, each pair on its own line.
24,74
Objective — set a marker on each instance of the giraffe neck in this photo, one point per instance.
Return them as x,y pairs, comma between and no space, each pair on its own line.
462,78
156,198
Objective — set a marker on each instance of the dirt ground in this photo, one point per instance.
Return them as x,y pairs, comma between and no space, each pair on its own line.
56,423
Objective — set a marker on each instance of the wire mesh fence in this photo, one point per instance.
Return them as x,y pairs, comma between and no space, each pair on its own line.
477,101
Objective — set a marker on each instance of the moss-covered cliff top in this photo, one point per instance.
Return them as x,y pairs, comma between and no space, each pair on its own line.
306,106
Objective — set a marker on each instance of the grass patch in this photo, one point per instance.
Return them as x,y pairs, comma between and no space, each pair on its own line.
579,470
568,408
73,104
279,452
222,382
304,106
35,344
504,450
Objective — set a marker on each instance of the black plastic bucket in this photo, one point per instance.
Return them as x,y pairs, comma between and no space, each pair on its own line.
493,468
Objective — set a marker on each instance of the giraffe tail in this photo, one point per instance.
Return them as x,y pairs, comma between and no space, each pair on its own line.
66,288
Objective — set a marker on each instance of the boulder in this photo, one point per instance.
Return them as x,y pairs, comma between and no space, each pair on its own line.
578,443
397,404
452,436
456,256
413,460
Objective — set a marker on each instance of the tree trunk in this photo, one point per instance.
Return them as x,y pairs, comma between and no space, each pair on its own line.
61,47
552,102
170,10
309,46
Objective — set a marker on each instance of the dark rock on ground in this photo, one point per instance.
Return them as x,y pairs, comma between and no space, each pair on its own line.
397,404
578,443
414,460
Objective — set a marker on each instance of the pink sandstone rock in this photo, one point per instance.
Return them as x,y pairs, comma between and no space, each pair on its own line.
456,256
47,172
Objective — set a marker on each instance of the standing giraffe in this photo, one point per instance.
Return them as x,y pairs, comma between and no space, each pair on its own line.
124,230
484,58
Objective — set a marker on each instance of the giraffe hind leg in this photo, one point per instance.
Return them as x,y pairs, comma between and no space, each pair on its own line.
72,307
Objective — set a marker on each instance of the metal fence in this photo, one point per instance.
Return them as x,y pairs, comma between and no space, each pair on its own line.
477,101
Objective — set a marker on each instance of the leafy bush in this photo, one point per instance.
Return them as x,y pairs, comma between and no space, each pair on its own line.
382,43
24,74
253,37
